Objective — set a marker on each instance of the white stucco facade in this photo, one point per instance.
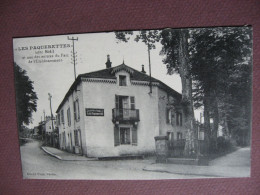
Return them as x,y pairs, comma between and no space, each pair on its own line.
48,125
130,116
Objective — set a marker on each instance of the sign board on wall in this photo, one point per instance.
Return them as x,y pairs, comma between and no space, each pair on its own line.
94,112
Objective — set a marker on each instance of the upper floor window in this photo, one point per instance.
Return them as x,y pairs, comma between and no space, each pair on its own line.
122,80
169,116
58,118
178,119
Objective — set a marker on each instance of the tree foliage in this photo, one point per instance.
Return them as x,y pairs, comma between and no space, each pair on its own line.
148,37
215,66
221,60
26,98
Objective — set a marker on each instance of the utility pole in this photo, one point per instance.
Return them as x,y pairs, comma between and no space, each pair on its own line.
43,115
148,45
51,111
73,54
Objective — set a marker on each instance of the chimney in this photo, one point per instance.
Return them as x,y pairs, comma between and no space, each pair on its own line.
108,63
143,71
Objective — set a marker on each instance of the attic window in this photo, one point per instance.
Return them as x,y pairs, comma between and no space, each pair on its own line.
122,80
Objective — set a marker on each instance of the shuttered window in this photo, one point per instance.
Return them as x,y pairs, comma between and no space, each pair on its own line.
125,136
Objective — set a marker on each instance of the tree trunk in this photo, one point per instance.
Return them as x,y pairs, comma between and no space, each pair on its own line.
214,133
206,103
184,70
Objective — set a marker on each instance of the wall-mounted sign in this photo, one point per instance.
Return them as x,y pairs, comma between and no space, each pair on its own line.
94,112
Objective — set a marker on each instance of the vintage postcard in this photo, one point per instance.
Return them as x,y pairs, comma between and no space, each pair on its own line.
135,105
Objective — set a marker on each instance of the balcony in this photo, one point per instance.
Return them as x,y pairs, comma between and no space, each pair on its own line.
125,115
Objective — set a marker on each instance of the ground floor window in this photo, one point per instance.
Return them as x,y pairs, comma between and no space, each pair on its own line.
179,136
125,135
171,139
64,139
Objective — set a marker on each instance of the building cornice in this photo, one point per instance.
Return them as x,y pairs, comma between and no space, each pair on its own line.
146,83
99,80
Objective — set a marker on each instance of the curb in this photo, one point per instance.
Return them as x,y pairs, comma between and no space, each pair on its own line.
48,152
181,173
58,157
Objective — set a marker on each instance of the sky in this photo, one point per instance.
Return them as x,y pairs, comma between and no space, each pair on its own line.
91,54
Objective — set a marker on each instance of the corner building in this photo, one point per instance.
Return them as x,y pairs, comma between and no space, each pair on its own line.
111,112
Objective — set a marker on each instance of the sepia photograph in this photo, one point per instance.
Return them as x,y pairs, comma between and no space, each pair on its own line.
135,105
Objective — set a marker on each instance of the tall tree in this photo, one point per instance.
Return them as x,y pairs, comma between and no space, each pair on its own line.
175,49
26,98
221,58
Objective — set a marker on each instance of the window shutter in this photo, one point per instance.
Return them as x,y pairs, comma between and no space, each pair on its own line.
117,101
172,117
74,109
132,101
62,116
116,136
177,119
58,118
127,136
180,119
78,110
167,115
134,136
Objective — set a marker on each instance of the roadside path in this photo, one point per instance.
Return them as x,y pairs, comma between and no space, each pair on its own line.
236,164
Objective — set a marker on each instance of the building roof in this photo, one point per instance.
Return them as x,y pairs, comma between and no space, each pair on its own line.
109,73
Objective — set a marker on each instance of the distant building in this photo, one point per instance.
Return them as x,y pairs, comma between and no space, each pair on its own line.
48,124
35,130
111,113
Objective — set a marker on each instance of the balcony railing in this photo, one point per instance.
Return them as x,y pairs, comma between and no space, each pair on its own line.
125,114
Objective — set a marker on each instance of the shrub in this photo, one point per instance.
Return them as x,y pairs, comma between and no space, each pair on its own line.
223,145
